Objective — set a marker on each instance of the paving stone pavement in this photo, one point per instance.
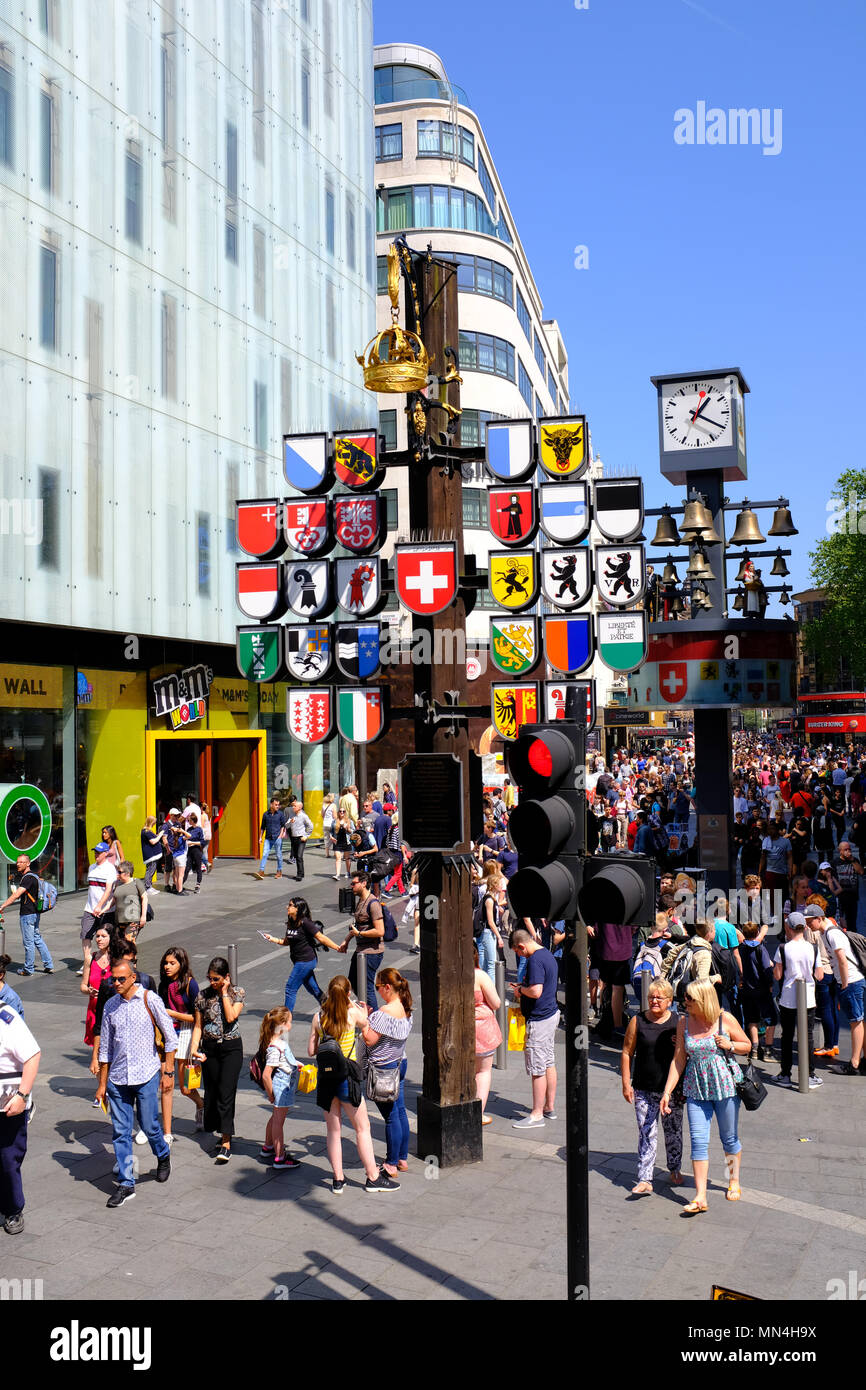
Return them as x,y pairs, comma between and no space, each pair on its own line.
483,1232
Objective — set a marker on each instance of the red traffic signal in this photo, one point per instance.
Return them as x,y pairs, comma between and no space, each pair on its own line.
547,825
545,755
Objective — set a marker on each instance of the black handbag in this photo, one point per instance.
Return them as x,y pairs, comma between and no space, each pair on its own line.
748,1082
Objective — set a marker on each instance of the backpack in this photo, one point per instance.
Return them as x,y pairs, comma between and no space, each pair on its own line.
257,1066
479,916
331,1060
661,840
47,896
723,964
390,924
647,961
814,960
682,971
858,950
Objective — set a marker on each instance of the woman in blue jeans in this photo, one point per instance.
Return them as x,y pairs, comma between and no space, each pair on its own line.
301,938
385,1035
706,1044
493,896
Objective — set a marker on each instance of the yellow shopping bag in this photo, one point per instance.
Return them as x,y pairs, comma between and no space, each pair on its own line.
516,1031
308,1078
193,1076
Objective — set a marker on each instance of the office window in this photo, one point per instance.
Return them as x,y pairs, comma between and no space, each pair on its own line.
47,297
436,206
503,233
330,220
389,498
438,140
305,96
369,244
388,428
487,184
539,406
478,275
259,273
133,192
231,235
331,319
467,147
483,352
260,414
305,11
389,143
523,317
169,347
7,115
46,141
540,358
231,160
49,494
258,65
203,536
351,254
524,383
551,384
381,274
474,508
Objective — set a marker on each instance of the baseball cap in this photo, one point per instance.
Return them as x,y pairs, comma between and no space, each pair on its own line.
797,919
813,910
825,865
175,811
102,847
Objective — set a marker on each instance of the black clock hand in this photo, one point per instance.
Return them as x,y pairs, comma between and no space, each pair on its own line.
705,420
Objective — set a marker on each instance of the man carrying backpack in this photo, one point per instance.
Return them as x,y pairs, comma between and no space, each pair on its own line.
692,961
26,893
368,934
797,960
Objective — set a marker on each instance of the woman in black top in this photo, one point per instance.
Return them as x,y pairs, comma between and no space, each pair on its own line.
301,938
650,1039
800,836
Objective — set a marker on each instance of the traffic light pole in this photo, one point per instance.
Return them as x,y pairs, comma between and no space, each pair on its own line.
577,1110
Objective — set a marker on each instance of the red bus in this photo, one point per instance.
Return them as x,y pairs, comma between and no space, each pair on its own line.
833,715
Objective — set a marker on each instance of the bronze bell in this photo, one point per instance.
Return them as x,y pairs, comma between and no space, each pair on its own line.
739,601
698,567
747,530
666,530
784,598
677,607
669,574
698,523
782,523
741,572
779,566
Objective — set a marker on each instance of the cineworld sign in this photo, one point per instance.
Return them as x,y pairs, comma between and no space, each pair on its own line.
182,696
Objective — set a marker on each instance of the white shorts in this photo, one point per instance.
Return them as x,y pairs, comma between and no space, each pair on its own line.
179,861
184,1038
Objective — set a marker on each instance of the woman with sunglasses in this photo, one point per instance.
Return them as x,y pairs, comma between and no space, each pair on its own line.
178,990
301,938
216,1030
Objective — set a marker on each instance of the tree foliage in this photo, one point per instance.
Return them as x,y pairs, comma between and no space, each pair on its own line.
838,565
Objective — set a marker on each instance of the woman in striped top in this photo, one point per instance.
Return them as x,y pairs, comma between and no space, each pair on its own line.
386,1033
339,1017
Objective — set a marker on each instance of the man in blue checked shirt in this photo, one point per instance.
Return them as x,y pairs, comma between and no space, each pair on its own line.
130,1069
272,832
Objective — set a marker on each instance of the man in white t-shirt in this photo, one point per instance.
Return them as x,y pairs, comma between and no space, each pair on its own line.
19,1063
796,960
850,980
101,878
191,809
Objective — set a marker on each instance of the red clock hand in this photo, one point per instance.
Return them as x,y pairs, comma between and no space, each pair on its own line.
703,400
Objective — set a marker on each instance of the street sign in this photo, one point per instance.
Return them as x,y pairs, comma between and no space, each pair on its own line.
430,797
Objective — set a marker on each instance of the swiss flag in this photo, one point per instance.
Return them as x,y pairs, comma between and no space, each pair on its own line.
426,576
673,681
258,526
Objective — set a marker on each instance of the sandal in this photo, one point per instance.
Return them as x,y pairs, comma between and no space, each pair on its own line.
733,1193
402,1165
642,1189
693,1208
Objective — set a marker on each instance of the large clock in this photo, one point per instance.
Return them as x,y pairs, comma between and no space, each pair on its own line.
697,415
701,424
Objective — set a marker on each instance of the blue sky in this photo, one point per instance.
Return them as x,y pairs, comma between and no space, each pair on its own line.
699,256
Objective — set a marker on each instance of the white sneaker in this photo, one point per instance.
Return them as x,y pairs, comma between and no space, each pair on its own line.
141,1137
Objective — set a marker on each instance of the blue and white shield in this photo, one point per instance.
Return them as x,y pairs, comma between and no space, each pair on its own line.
305,462
565,512
358,650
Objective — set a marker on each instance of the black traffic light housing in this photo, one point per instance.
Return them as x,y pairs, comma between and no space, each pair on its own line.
619,888
547,827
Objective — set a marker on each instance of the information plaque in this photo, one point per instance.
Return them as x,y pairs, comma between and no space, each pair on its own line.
431,801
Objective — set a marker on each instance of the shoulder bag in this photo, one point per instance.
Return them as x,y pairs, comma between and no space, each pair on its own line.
747,1080
158,1038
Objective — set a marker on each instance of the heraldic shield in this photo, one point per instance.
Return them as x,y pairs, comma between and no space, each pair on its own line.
306,526
511,514
259,652
360,714
308,651
512,706
310,713
513,578
514,646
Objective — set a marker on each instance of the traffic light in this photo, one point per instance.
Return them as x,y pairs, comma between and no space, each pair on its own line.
546,762
618,889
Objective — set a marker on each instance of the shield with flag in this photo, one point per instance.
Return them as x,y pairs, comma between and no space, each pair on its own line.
565,512
310,713
511,514
258,591
305,462
355,459
673,681
568,644
509,450
259,652
620,574
359,585
308,651
618,508
566,576
512,578
308,588
426,576
622,640
360,714
514,645
511,706
557,701
258,528
562,449
358,650
358,522
306,526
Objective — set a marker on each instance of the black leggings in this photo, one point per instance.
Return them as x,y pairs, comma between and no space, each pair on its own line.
193,863
221,1073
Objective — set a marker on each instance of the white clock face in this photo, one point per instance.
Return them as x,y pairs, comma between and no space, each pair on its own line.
696,415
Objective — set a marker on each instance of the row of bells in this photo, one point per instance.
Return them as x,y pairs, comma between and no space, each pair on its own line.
697,523
699,568
701,599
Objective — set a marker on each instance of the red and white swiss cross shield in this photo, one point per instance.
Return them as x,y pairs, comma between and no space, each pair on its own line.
306,525
310,713
358,522
426,576
673,681
258,528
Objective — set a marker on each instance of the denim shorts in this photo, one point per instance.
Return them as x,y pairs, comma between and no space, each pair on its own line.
285,1084
851,1000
